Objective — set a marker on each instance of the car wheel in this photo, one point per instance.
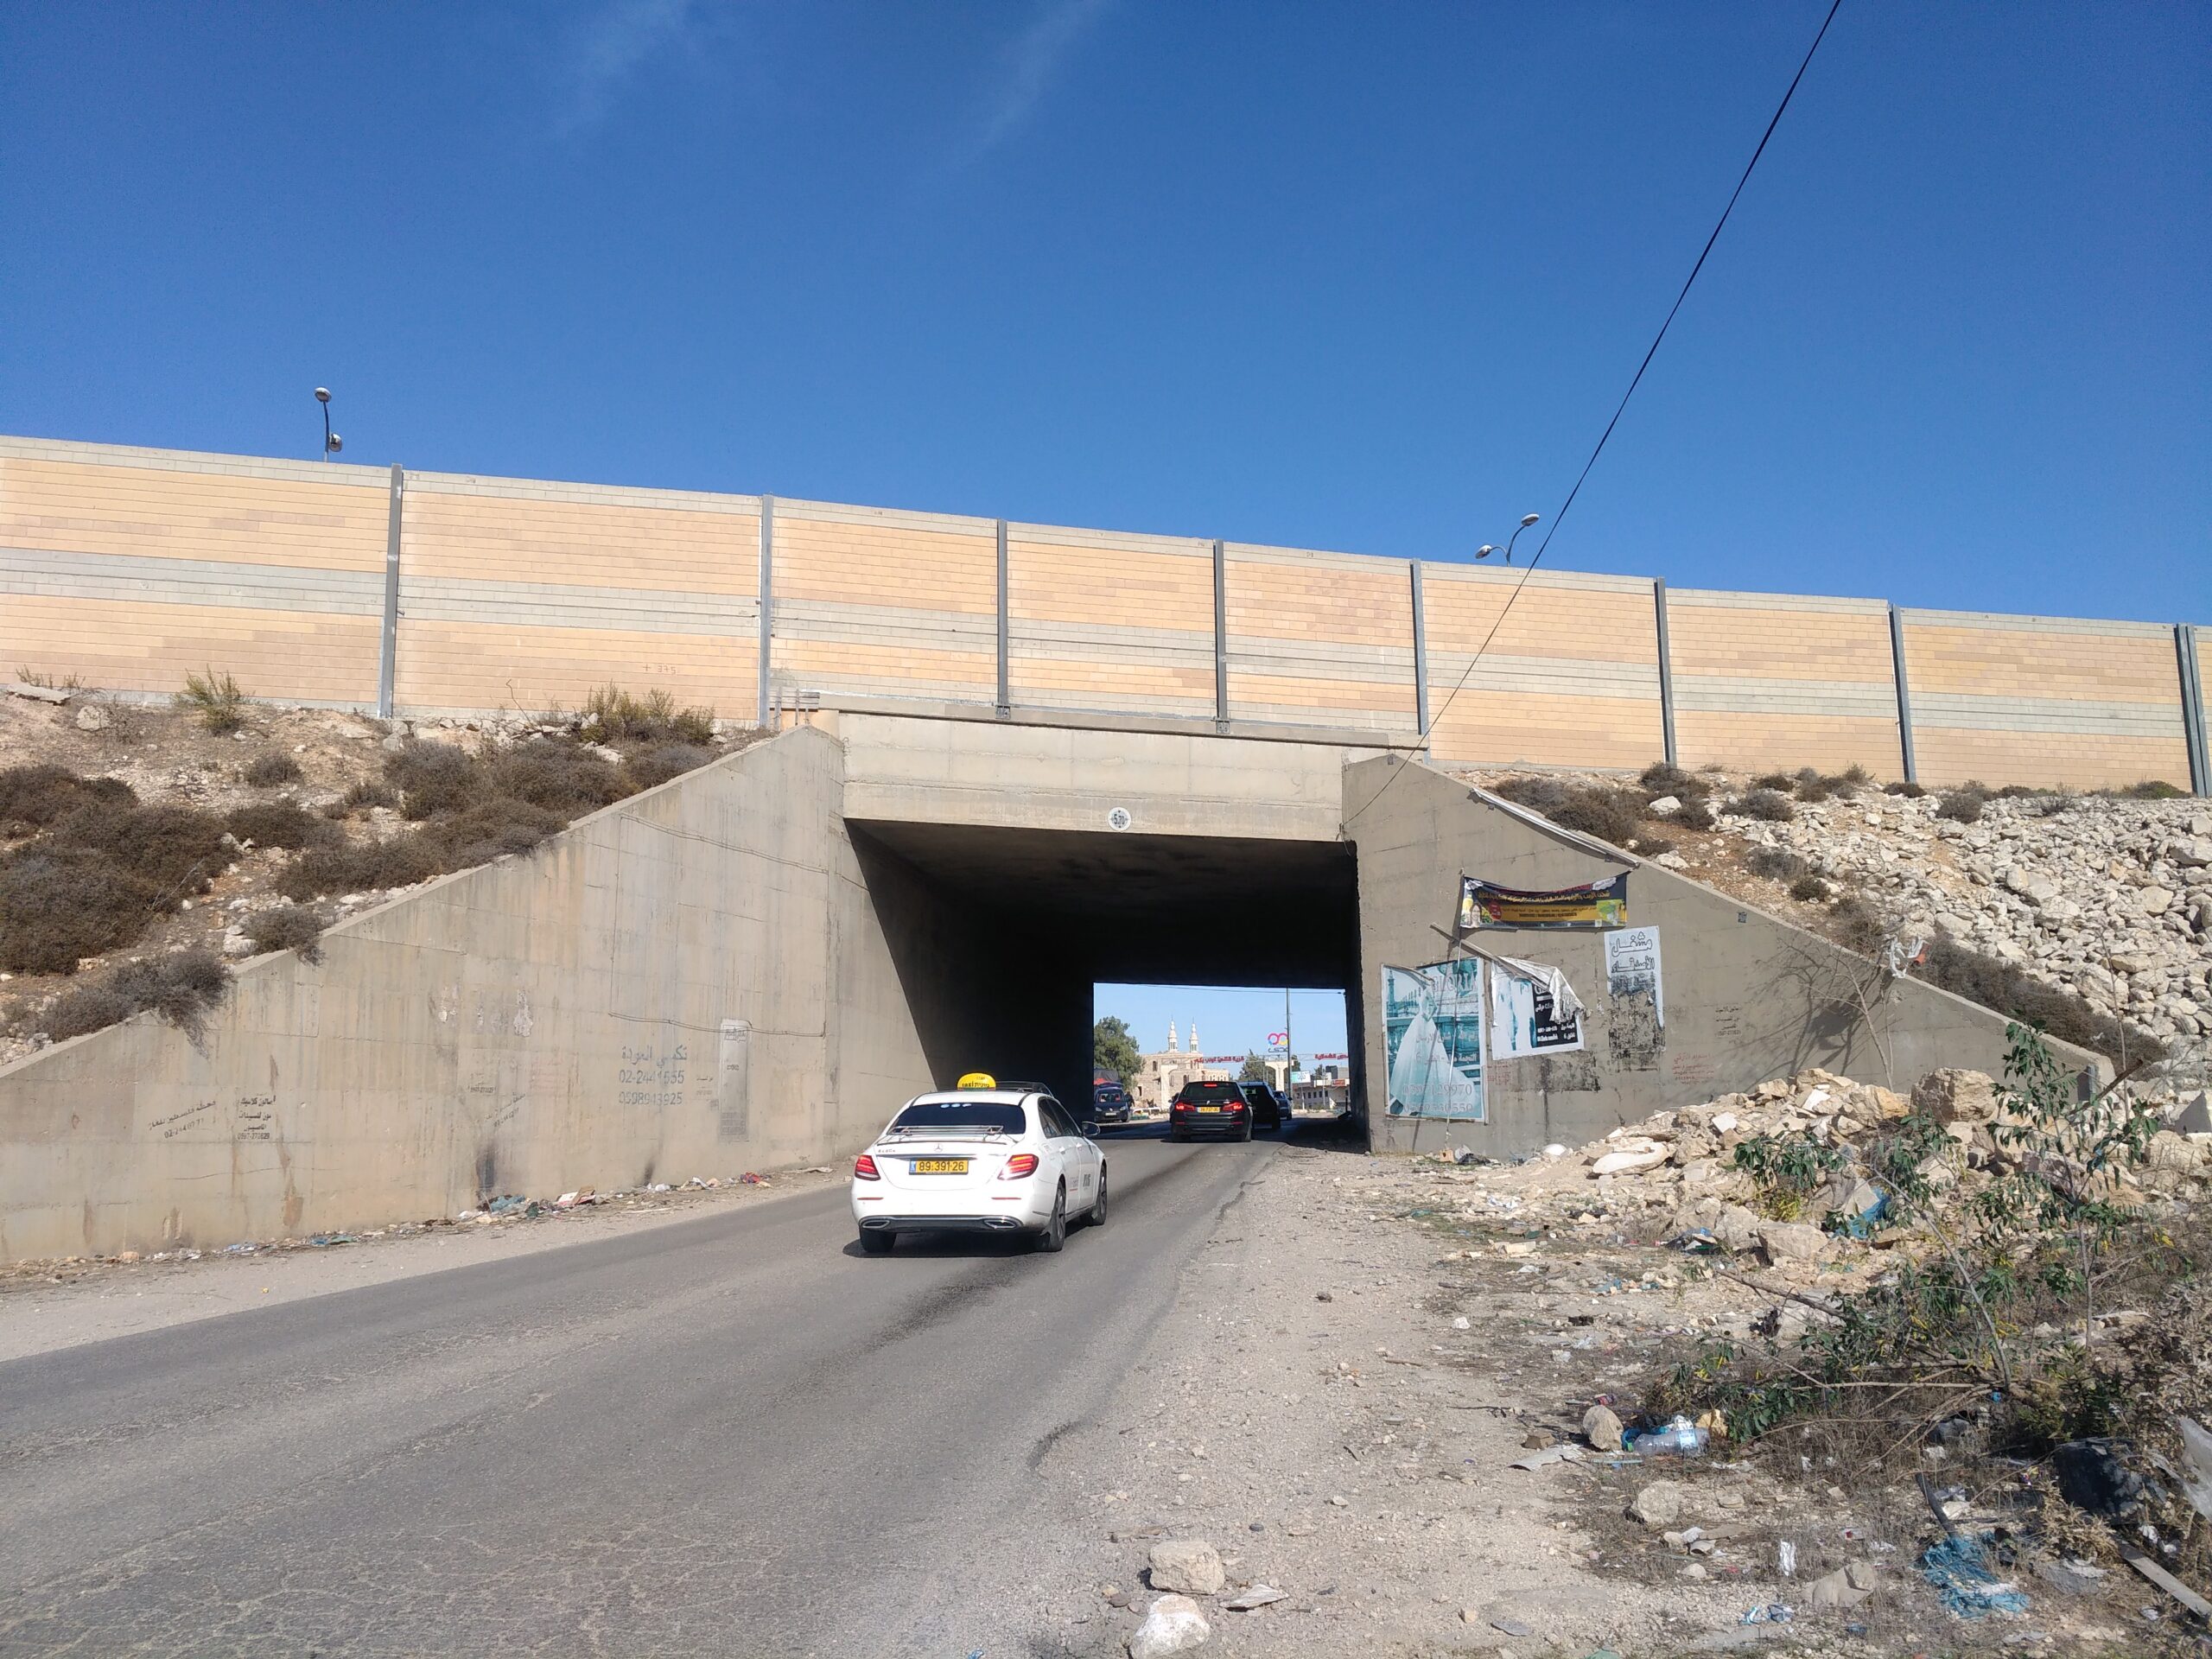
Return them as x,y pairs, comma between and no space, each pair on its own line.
1056,1231
1247,1134
875,1243
1098,1210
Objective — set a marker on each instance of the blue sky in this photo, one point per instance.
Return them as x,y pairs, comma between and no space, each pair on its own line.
1229,1021
1368,278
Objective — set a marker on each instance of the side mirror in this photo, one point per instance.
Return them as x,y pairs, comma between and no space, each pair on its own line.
1089,1131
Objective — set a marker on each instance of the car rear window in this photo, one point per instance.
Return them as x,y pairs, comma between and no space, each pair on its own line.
990,1115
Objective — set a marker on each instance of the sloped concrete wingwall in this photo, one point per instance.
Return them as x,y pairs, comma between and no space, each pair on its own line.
695,981
1746,996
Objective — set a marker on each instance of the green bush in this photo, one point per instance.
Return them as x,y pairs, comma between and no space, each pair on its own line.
216,699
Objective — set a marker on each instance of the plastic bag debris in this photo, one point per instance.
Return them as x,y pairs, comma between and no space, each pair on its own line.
1679,1439
1958,1567
1769,1612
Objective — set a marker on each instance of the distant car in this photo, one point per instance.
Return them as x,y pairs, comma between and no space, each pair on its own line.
1209,1109
978,1161
1268,1110
1110,1103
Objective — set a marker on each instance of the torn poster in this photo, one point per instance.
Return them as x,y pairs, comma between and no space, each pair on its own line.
1594,904
1432,1040
1632,965
1532,1010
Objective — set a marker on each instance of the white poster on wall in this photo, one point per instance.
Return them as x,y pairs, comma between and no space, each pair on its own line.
1632,965
1532,1012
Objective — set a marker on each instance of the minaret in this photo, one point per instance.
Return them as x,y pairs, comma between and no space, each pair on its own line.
1174,1043
1195,1050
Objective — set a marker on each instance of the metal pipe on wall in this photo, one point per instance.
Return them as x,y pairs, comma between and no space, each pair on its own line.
1905,693
1666,671
388,645
766,605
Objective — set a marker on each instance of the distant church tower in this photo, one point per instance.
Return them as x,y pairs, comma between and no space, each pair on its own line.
1174,1043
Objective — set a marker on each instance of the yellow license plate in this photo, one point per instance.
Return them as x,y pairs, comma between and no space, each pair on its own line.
940,1166
1209,1108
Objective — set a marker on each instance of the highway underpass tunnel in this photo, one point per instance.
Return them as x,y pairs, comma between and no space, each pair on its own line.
1000,935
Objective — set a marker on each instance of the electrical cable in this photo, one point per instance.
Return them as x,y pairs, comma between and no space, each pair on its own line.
1530,569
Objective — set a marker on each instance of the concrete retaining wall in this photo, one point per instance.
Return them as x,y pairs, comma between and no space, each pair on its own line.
1747,996
554,1021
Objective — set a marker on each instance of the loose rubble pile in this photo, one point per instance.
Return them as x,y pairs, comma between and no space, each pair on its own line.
2109,898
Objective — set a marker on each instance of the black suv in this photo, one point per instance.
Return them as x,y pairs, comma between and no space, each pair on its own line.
1266,1106
1109,1103
1209,1109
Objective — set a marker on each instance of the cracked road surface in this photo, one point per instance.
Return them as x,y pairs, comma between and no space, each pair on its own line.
734,1435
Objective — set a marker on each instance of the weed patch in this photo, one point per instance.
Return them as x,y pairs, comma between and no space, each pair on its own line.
272,771
277,823
1607,812
1963,804
59,905
612,715
296,928
33,796
216,699
183,989
1767,805
176,849
650,767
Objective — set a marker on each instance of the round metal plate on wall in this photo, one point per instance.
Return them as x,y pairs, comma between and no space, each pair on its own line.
1119,818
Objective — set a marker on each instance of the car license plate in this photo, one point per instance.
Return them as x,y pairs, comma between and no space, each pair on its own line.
1209,1108
940,1166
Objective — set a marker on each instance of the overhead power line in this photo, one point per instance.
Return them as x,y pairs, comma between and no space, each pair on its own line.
1637,380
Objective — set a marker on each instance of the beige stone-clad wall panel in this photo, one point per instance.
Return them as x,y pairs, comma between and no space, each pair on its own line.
888,668
2136,667
451,536
1778,642
1322,603
1749,741
462,665
80,507
1485,730
1112,585
1946,756
891,563
118,645
1072,683
1586,624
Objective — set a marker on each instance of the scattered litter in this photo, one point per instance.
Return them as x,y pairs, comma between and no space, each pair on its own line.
1679,1439
751,1180
1548,1455
1786,1558
1958,1566
1769,1612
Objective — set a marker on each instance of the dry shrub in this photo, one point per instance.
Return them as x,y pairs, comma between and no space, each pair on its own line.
216,699
178,849
2153,789
1963,804
1809,887
400,862
367,794
182,989
614,716
1783,781
278,823
1910,791
296,928
58,905
1776,863
1857,926
491,828
650,767
434,778
1607,812
1652,846
1663,779
37,795
1996,983
1695,814
562,777
1769,806
269,771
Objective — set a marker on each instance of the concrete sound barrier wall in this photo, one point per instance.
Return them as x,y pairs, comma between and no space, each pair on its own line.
694,981
129,568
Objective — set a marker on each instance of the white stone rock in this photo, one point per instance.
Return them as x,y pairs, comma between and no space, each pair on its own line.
1189,1565
1172,1624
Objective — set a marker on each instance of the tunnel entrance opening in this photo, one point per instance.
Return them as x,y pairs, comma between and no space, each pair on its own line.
1295,1040
999,935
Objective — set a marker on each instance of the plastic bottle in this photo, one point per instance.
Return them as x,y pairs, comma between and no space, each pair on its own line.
1680,1438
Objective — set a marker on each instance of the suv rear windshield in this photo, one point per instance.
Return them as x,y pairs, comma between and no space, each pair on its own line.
1254,1092
1110,1094
1210,1094
990,1116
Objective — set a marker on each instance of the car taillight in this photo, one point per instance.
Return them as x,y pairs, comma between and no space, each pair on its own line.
864,1169
1022,1163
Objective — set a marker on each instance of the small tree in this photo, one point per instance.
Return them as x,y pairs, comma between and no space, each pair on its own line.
1114,1051
1255,1070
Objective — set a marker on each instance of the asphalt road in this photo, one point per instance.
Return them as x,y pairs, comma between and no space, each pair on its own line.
736,1435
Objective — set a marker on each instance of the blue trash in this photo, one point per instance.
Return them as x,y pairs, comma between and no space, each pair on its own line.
1958,1566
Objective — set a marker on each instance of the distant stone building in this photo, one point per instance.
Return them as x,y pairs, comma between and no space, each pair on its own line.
1160,1074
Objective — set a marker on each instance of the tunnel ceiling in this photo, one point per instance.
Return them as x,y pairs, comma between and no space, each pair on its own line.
1188,909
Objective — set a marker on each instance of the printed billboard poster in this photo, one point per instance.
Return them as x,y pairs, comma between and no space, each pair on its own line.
1632,966
1530,1016
1432,1040
1594,904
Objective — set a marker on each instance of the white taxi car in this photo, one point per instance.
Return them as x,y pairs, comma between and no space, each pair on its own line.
979,1158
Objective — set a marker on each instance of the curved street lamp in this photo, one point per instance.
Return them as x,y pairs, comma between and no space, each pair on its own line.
332,443
1488,548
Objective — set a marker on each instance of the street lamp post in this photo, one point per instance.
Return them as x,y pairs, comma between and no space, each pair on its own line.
1488,548
332,443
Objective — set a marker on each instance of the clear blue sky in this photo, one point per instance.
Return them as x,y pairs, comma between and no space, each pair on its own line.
1338,276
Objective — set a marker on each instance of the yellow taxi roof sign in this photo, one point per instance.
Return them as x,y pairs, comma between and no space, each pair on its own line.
977,1080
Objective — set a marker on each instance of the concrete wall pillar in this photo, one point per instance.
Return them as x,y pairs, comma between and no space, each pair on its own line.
767,588
388,645
2192,709
1421,654
1006,683
1220,639
1666,671
1904,694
